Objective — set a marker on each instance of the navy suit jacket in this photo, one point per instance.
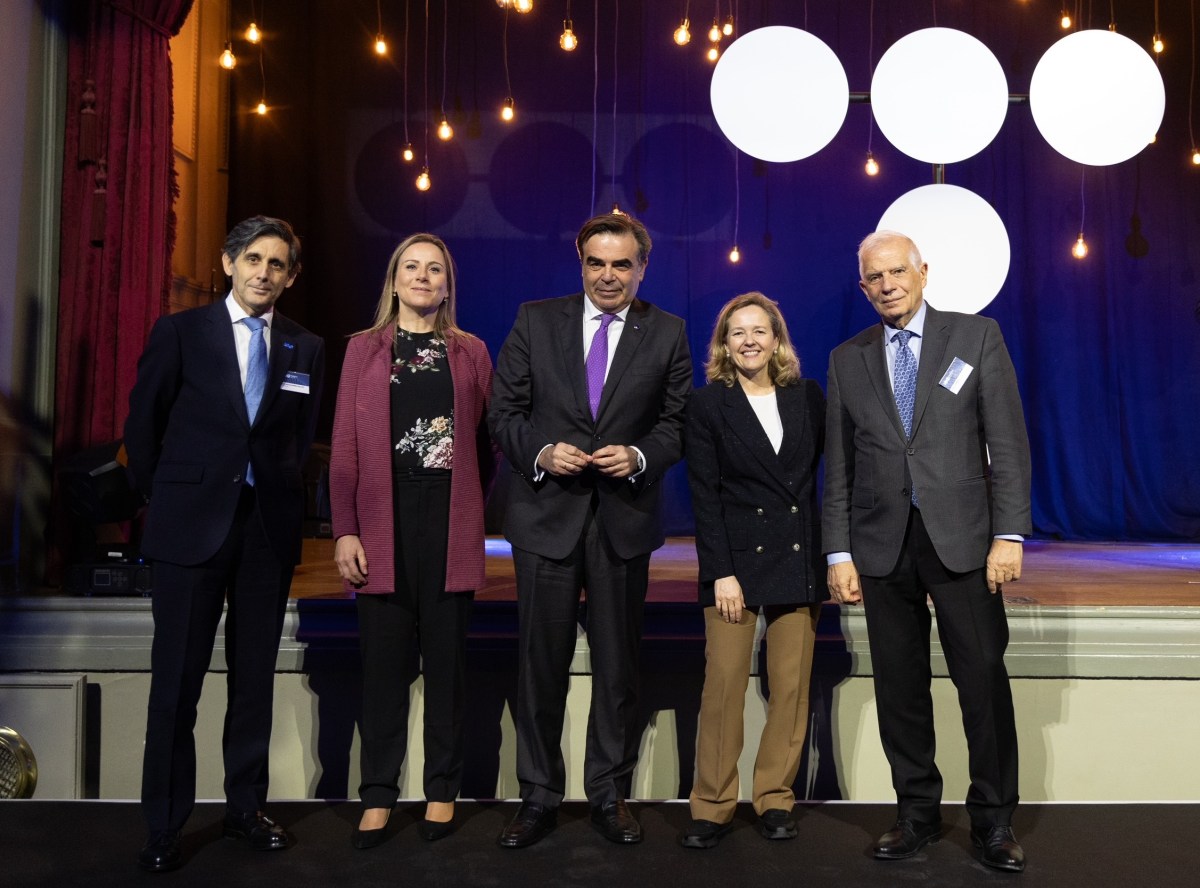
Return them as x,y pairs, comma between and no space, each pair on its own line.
965,497
189,437
540,397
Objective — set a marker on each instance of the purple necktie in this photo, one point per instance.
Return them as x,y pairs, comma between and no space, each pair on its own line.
597,361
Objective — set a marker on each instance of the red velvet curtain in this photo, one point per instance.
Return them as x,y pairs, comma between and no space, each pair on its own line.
118,224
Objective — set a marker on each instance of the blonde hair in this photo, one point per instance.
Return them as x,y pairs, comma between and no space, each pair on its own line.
784,366
445,322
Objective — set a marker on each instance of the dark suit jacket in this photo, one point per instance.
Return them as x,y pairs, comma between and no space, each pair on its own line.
756,510
360,470
541,398
964,500
189,437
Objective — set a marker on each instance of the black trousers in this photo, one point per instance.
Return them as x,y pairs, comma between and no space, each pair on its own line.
420,617
187,606
548,608
974,633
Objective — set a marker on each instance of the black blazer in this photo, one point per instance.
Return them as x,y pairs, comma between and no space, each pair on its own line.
756,511
540,397
189,437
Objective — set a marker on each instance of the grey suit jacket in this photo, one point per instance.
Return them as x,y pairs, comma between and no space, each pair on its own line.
540,397
965,499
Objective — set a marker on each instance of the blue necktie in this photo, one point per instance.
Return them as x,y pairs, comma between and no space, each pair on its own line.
904,385
256,374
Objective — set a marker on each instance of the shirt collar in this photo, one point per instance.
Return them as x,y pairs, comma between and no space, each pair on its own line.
590,310
916,326
236,312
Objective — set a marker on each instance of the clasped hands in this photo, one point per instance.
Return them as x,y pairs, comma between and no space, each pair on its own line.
613,460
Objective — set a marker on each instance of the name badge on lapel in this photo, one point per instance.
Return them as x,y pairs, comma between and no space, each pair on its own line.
295,382
956,375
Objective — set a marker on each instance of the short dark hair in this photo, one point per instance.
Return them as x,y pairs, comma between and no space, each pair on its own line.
249,230
615,223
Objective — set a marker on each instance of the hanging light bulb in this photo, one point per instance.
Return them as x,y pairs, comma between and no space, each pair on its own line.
380,45
1066,21
407,152
1195,157
261,108
713,53
872,166
682,35
735,255
727,28
253,34
445,131
523,6
714,33
617,211
506,4
1080,250
228,60
423,182
509,111
567,40
1158,44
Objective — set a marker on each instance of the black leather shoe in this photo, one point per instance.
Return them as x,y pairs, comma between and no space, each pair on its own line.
432,830
906,838
704,834
998,848
161,853
615,822
777,823
258,830
532,823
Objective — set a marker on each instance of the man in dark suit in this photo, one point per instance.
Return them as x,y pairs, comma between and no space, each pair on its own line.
220,421
927,476
588,406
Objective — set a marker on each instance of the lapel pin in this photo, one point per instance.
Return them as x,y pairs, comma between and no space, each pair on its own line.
288,345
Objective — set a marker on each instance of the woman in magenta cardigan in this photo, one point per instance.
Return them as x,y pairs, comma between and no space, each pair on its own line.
410,468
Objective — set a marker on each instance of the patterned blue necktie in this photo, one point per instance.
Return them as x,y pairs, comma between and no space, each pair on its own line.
904,386
256,374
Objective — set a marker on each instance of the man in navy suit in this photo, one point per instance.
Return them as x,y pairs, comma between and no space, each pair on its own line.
588,406
220,420
927,476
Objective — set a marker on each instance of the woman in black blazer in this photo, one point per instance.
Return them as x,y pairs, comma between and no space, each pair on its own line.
753,439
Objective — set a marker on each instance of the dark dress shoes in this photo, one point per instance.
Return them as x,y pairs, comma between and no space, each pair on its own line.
432,830
257,830
532,823
161,852
615,822
906,838
704,834
998,848
777,823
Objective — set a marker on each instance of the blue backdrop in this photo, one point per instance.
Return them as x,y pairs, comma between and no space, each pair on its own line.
1105,349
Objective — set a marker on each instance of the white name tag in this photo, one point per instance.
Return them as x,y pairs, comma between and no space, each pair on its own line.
295,382
956,375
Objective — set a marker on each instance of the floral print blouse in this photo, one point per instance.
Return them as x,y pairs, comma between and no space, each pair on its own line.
422,402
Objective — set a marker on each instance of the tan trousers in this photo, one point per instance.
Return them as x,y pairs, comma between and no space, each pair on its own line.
791,634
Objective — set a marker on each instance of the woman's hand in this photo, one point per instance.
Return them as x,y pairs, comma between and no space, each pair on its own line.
350,559
730,603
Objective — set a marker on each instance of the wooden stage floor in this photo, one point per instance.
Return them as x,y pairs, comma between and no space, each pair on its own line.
1055,574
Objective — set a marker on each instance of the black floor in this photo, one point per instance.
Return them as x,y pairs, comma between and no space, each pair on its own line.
1069,846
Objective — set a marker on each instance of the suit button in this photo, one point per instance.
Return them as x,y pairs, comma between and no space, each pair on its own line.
795,509
758,550
911,451
595,437
237,479
758,511
905,491
795,547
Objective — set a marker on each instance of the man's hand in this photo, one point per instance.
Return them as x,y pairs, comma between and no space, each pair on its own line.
350,559
616,461
563,459
842,579
728,593
1004,563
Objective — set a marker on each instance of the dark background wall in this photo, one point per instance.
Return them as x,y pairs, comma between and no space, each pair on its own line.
1105,349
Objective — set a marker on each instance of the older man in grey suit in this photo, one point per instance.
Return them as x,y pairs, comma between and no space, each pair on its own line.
927,476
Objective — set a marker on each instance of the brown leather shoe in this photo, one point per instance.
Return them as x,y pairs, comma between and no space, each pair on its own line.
906,838
615,822
532,823
998,848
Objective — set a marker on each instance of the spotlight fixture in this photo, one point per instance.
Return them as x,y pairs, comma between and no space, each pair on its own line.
509,111
1080,250
445,131
407,152
567,40
872,166
423,182
253,34
735,255
228,60
380,45
682,35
